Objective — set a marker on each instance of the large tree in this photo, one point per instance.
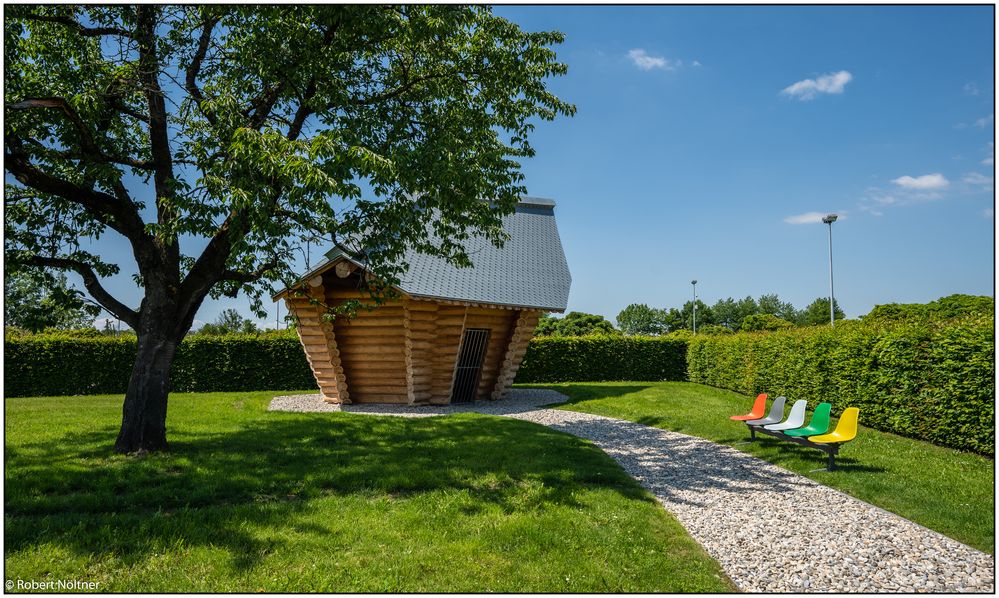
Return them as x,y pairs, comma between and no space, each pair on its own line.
731,312
639,318
574,323
240,130
817,312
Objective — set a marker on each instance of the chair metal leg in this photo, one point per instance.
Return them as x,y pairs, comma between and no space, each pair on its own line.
752,437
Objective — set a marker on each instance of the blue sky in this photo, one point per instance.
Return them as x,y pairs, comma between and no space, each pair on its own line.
703,133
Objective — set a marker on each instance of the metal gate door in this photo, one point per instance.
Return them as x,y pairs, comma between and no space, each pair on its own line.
469,368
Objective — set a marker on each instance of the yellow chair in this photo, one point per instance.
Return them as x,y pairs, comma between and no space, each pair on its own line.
846,428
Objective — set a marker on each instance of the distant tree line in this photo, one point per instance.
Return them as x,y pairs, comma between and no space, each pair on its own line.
39,302
768,312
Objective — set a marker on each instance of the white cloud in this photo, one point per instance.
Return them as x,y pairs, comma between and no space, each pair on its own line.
647,62
696,63
925,182
990,159
978,180
808,89
812,217
971,89
988,213
985,121
908,190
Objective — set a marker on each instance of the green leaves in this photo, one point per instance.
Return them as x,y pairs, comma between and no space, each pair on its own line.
361,123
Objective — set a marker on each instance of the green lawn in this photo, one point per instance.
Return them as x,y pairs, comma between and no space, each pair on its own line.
943,489
249,500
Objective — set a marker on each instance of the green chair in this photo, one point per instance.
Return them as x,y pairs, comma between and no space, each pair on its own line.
818,425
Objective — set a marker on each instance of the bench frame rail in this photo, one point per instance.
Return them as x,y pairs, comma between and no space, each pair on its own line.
829,449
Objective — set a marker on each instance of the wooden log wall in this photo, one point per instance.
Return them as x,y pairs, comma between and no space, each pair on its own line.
405,351
448,326
422,339
500,323
373,350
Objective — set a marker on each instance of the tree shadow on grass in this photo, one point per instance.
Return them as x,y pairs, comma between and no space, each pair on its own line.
211,489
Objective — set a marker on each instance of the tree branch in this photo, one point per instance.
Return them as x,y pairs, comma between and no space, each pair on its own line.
303,112
88,145
159,136
80,29
194,69
247,277
92,284
117,213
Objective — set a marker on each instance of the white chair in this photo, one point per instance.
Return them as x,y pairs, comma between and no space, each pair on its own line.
776,413
795,419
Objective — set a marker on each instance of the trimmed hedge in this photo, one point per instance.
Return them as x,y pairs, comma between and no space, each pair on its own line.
928,380
45,365
597,358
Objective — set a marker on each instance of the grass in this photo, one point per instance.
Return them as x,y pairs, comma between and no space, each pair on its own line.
946,490
253,501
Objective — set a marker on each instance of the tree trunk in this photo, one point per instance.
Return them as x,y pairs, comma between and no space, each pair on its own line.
143,422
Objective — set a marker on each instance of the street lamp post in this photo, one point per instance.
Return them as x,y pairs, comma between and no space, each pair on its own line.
694,304
832,296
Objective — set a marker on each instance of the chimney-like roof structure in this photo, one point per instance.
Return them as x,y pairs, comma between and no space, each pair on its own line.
529,271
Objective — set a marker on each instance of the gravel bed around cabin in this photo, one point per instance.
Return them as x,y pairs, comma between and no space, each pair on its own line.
771,530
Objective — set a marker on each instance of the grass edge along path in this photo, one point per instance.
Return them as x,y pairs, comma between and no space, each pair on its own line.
248,500
946,490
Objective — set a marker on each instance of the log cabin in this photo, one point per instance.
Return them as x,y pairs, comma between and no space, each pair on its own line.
452,335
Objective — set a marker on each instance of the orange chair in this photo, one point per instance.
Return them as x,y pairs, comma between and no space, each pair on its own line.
759,409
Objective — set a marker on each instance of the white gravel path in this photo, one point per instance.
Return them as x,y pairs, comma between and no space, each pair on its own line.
771,530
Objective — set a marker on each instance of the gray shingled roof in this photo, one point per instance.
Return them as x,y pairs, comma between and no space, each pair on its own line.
529,271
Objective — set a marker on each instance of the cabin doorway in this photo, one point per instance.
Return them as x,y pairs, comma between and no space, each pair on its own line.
468,371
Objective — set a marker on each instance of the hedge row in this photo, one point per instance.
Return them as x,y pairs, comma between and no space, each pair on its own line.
43,365
594,358
933,381
60,365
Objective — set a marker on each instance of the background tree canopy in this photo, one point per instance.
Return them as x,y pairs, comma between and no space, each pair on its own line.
574,323
639,318
34,302
229,322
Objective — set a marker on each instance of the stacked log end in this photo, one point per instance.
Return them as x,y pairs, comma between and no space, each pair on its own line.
319,342
523,330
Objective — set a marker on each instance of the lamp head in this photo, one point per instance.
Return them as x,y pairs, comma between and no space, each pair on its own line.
693,282
830,219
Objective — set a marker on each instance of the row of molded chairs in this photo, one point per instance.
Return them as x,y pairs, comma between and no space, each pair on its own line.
817,429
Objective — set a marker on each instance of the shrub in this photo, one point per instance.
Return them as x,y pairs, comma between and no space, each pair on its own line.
61,364
757,322
928,380
714,329
593,358
945,307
